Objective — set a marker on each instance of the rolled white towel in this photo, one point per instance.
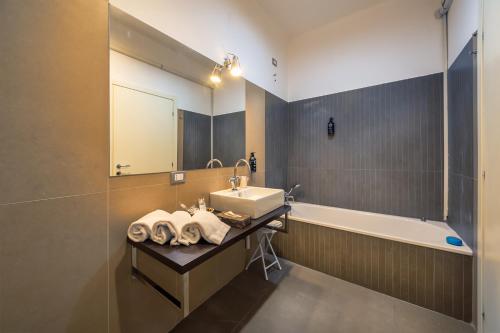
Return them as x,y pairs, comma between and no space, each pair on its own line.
182,220
190,234
162,230
211,228
141,229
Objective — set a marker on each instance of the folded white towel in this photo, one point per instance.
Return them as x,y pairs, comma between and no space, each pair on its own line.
275,224
141,229
211,228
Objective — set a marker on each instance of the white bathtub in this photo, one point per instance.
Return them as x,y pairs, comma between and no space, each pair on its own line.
402,229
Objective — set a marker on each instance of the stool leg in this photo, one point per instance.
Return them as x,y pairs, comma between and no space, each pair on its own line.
253,257
263,261
272,250
257,249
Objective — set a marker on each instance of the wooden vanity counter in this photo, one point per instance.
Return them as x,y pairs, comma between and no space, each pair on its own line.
186,276
184,258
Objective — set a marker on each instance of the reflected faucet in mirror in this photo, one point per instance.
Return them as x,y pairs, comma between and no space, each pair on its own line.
210,163
235,179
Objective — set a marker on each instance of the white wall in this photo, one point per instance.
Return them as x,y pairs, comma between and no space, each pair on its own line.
395,40
213,27
489,162
229,96
189,95
463,20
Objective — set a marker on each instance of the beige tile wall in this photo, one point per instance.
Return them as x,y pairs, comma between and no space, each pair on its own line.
53,148
255,119
53,132
130,198
65,263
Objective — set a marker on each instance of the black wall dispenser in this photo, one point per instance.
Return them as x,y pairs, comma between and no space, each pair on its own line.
253,162
331,127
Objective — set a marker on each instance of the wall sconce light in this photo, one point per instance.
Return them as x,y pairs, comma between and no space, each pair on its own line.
216,74
231,63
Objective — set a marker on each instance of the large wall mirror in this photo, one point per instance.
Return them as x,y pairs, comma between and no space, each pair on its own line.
166,114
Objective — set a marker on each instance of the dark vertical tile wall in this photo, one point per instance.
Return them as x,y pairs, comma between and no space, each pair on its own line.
196,145
434,279
229,137
385,156
461,145
276,141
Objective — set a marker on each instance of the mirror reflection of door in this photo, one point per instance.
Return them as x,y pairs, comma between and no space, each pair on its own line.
144,136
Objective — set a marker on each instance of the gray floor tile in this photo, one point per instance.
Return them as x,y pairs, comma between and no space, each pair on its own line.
299,299
410,318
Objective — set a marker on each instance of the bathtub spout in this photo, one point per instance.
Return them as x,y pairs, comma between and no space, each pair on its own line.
423,219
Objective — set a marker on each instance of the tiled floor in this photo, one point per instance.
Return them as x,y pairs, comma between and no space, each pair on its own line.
298,299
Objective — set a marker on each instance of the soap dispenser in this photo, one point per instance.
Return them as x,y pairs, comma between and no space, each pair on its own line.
331,127
253,162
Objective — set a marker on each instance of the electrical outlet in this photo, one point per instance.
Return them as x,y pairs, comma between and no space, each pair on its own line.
177,177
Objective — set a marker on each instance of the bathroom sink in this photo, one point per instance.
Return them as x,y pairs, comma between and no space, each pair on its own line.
253,201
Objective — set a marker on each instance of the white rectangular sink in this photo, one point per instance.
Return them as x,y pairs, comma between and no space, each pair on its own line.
253,201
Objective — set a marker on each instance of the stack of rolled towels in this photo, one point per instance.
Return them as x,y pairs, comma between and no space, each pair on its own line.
178,228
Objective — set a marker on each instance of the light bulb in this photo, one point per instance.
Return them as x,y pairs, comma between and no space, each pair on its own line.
235,66
215,79
216,74
236,71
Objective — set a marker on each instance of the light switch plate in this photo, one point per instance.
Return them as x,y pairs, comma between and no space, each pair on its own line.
177,177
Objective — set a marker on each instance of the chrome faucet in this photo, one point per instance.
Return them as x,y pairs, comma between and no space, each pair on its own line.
288,195
235,179
212,161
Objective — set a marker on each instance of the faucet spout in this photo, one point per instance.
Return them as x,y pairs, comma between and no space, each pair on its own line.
242,160
235,179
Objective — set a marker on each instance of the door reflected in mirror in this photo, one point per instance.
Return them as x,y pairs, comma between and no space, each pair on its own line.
143,132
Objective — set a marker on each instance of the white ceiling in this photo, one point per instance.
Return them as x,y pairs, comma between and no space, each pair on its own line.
298,16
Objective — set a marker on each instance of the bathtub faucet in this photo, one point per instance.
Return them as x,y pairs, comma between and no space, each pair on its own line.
288,195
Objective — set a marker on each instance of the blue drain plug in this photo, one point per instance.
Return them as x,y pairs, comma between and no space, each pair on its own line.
455,241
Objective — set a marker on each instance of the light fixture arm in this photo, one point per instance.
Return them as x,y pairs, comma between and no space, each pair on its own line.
229,59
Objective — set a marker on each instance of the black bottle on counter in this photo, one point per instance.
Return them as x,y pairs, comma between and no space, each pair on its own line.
253,162
331,127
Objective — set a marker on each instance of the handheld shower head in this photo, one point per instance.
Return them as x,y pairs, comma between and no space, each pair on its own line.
293,188
445,7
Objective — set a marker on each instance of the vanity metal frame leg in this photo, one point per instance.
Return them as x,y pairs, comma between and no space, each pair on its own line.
248,243
134,261
185,294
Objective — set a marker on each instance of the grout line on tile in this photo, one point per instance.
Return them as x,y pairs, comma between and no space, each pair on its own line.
51,198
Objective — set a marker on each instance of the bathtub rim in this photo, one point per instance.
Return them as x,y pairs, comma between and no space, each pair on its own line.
463,250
